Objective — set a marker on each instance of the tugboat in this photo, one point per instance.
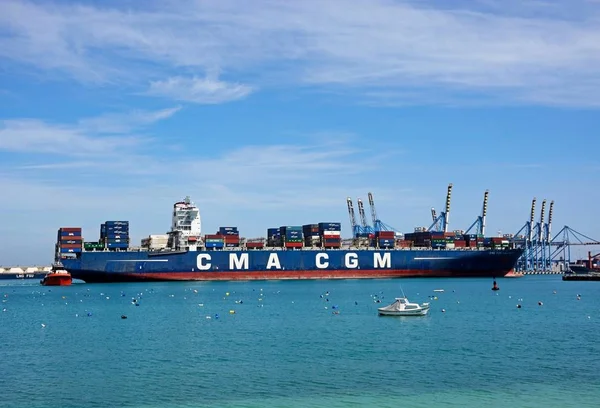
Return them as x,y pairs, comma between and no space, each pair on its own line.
58,276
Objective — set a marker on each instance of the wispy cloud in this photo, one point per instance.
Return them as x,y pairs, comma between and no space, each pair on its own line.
209,90
92,136
507,51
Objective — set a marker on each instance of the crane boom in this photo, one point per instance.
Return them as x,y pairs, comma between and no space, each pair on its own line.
361,214
532,219
433,214
542,214
484,212
373,212
351,214
549,228
447,213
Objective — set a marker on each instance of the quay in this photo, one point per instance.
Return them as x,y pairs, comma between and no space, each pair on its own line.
581,277
24,272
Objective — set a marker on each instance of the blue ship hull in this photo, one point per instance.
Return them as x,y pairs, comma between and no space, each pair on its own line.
130,266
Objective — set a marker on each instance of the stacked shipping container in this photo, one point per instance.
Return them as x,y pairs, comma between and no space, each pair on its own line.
231,236
312,238
291,236
384,239
214,241
274,237
69,240
115,234
331,234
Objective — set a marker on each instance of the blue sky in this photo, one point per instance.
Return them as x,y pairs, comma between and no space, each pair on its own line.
272,112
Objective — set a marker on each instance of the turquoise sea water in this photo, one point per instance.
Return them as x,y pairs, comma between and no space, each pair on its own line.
284,346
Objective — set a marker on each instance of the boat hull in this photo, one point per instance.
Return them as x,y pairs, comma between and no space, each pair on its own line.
582,269
133,266
57,280
422,312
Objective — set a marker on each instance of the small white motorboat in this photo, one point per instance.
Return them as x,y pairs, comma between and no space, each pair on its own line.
402,307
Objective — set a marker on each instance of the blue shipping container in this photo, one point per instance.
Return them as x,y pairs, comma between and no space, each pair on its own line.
69,250
69,241
337,225
110,234
225,229
116,223
117,241
116,232
213,245
70,233
117,227
117,246
386,241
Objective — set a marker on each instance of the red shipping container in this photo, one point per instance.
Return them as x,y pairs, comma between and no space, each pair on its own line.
255,245
460,244
70,246
70,229
293,244
386,234
213,236
71,238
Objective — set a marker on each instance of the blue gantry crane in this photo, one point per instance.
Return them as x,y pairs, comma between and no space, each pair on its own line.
534,241
356,229
479,224
366,228
378,225
442,221
541,250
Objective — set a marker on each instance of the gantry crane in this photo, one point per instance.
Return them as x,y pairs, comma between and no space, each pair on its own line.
442,222
479,223
355,227
378,225
366,228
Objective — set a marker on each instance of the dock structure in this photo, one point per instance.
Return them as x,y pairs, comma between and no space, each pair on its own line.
23,272
25,269
544,254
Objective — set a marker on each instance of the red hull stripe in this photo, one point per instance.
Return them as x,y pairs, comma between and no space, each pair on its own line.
294,275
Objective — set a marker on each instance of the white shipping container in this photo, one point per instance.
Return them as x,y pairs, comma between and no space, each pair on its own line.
326,233
159,237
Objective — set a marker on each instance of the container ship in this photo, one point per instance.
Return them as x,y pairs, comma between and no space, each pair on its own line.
312,251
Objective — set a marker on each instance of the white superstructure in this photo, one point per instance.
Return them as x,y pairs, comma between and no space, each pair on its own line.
185,231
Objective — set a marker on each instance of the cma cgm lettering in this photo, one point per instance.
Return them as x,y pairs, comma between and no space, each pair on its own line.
241,261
